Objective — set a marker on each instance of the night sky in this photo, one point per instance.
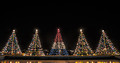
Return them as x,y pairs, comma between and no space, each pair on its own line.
69,17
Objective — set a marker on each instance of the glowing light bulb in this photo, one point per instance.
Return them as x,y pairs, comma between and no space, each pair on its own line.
76,62
80,30
87,62
102,30
110,62
58,30
13,30
36,30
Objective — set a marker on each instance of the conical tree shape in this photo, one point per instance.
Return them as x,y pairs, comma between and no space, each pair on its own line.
12,47
58,47
35,48
82,48
105,46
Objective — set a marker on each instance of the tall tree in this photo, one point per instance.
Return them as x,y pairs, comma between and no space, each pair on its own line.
35,48
12,47
82,47
58,47
105,46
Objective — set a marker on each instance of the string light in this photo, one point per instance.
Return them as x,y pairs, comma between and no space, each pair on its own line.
34,48
12,47
82,48
105,46
58,47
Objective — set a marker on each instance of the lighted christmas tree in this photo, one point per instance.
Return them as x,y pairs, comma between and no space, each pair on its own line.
58,47
12,47
105,46
82,48
35,48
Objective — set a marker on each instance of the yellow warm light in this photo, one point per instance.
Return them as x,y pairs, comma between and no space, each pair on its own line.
36,30
92,61
39,62
99,62
10,61
87,62
76,62
102,30
13,30
4,61
80,30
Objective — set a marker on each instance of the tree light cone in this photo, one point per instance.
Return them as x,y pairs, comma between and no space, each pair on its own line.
58,47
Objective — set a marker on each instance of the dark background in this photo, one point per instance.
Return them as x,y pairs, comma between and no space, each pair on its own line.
69,17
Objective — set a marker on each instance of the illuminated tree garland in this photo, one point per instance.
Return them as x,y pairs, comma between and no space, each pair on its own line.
12,47
58,45
105,46
82,48
35,48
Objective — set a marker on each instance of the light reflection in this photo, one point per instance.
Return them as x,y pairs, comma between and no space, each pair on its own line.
61,61
76,62
4,61
92,61
87,62
10,61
